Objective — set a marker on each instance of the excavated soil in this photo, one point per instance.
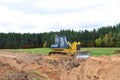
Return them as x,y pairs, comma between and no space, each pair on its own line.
23,66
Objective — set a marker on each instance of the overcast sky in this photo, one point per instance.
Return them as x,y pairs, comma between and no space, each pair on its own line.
36,16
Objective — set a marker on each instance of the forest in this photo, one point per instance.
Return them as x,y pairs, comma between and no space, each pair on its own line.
108,36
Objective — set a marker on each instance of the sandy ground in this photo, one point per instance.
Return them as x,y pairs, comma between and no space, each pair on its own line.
22,66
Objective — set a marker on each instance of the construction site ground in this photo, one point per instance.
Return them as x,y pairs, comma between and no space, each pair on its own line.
24,66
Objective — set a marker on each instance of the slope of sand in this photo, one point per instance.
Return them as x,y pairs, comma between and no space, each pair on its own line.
22,66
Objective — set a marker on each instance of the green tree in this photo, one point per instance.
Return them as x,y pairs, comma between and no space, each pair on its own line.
98,42
118,40
105,40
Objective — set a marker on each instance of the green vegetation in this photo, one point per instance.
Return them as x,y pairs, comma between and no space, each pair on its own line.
108,36
33,50
93,51
100,51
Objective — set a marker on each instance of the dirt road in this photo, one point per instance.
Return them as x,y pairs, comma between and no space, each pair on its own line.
22,66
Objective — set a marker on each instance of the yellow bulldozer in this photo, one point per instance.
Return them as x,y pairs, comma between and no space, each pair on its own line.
62,46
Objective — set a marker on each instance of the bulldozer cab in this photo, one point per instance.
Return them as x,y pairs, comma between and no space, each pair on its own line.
60,42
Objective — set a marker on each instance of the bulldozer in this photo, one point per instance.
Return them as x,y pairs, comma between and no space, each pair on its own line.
64,47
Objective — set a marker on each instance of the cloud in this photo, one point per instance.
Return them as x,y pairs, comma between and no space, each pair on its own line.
4,24
44,7
54,15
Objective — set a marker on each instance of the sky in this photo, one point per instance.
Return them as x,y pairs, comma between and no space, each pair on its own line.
37,16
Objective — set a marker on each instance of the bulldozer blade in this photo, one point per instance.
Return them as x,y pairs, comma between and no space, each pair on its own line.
84,54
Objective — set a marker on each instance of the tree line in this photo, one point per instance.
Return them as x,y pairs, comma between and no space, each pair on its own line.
103,37
18,40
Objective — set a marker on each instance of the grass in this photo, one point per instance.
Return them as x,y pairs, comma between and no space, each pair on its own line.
100,51
33,50
93,51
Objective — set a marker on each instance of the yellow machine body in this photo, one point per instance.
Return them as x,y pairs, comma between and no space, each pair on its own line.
62,46
71,50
